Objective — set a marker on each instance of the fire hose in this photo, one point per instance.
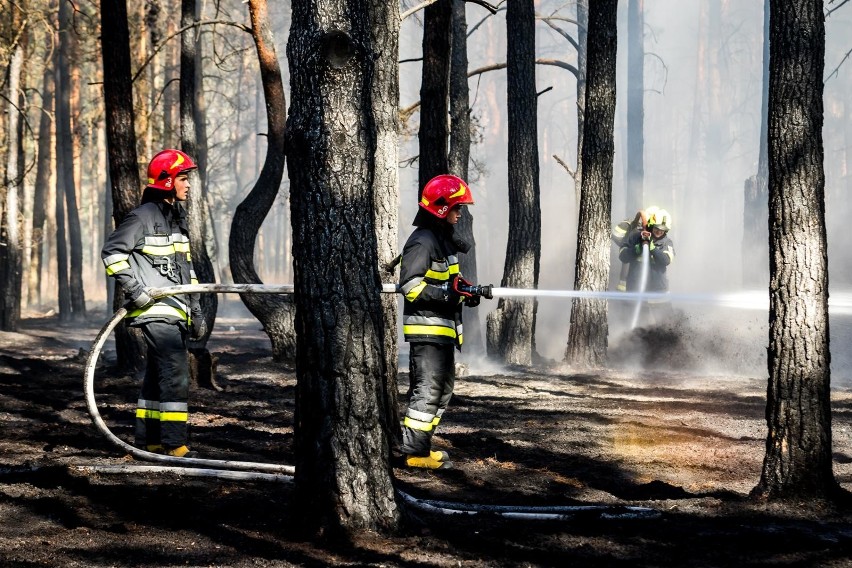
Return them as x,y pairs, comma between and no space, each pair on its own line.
241,470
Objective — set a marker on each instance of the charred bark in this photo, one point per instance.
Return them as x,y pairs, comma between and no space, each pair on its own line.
582,65
434,91
43,169
11,254
201,362
587,336
457,162
121,147
65,164
274,312
798,462
343,58
511,327
384,97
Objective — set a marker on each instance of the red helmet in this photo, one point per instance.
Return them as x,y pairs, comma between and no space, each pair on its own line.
165,166
442,193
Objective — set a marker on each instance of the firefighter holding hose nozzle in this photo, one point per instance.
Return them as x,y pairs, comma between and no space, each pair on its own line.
622,230
660,256
434,292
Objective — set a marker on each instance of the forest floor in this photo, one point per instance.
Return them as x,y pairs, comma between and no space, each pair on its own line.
685,450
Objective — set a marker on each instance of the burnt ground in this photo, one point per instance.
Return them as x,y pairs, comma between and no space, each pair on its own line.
688,447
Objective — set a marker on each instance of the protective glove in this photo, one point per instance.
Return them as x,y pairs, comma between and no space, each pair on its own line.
472,301
450,295
143,299
198,326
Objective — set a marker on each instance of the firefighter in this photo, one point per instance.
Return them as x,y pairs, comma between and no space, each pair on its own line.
661,255
620,233
434,292
150,249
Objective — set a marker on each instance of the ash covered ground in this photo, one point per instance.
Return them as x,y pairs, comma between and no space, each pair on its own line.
682,436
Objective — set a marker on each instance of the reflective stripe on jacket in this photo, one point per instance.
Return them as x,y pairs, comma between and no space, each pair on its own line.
150,248
430,312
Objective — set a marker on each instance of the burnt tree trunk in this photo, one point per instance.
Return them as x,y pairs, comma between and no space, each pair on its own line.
755,265
798,462
582,64
587,336
200,359
42,180
511,327
457,163
275,312
384,94
342,54
65,161
11,255
434,92
121,147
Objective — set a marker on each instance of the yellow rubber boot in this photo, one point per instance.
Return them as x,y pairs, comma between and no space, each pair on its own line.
155,448
427,462
181,452
439,455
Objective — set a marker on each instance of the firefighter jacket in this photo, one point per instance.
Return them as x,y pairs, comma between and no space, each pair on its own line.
622,230
150,248
661,254
431,311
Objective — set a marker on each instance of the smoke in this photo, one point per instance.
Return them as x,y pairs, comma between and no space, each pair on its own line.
702,139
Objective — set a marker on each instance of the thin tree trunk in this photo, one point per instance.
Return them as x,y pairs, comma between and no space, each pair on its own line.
151,84
275,312
171,90
755,257
384,96
11,255
511,327
64,289
24,189
121,145
44,167
65,167
457,161
582,58
634,200
434,91
201,362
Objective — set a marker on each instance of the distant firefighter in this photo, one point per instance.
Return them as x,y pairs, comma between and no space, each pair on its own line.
660,255
622,230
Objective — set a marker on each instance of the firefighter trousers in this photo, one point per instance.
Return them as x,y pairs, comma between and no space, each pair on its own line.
432,376
162,410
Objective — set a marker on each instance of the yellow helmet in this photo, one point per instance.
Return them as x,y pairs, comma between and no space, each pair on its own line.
660,219
646,213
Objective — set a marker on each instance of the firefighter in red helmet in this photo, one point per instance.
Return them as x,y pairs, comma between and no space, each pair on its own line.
150,249
434,292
